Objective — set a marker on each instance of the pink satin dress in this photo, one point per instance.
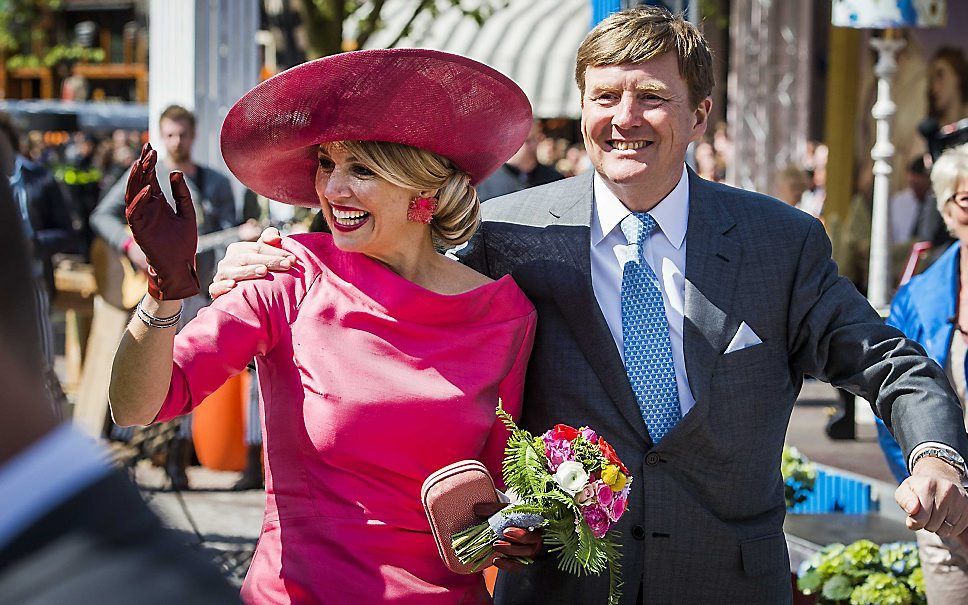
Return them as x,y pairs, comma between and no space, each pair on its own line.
369,384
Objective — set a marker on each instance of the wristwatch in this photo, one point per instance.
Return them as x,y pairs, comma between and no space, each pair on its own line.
950,456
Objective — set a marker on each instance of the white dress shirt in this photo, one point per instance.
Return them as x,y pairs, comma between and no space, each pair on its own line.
665,252
46,474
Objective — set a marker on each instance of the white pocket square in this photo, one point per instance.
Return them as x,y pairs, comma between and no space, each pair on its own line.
745,338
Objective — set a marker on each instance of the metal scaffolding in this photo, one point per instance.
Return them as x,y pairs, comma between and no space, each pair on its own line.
768,89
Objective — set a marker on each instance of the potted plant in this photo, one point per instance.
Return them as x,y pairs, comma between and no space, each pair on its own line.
799,476
863,573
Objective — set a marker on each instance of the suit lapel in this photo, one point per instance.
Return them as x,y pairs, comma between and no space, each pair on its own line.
576,300
712,266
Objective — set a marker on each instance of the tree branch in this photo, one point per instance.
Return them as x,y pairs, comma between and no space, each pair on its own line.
370,24
421,6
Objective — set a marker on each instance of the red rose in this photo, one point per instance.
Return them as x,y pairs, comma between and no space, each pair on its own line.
609,453
563,431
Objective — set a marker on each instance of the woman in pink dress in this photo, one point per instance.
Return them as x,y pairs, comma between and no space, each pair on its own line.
380,360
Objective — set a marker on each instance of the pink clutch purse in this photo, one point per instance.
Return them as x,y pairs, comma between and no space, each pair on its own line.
449,496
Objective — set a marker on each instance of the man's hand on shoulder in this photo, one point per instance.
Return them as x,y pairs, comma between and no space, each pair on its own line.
251,260
934,498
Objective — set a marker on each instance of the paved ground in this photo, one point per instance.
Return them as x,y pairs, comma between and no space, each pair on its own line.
210,516
861,456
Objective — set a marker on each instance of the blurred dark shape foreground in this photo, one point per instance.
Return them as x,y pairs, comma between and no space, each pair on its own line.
72,529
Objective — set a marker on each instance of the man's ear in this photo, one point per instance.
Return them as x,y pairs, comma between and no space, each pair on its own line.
702,117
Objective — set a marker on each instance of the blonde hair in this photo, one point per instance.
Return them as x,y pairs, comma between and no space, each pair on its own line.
950,168
458,209
642,33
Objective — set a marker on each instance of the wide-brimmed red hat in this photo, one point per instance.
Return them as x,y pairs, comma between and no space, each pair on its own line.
456,107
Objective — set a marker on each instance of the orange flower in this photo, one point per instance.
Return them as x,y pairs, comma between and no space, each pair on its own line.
610,454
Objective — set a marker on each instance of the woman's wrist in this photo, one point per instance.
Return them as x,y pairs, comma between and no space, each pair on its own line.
159,314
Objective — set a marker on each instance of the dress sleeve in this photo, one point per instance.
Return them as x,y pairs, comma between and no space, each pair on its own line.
511,392
225,336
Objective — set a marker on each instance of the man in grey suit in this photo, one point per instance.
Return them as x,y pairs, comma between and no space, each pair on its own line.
678,317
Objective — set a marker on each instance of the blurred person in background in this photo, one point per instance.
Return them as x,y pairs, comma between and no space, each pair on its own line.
51,227
575,161
813,198
948,86
72,529
947,104
705,158
907,204
522,171
723,144
215,211
790,185
81,176
933,309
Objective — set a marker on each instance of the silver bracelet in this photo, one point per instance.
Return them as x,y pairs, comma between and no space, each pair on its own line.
156,322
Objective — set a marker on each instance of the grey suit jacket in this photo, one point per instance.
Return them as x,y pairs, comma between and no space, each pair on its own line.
705,517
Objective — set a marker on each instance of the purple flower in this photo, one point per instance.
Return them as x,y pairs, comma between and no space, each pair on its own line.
557,451
597,520
589,434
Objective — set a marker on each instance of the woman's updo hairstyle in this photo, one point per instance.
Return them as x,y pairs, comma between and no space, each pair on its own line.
458,209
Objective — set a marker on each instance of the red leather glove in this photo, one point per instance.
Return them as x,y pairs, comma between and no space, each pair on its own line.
516,542
168,239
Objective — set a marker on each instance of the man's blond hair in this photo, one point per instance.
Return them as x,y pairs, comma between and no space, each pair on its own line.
643,33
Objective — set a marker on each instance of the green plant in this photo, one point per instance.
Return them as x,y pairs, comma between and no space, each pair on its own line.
799,476
864,573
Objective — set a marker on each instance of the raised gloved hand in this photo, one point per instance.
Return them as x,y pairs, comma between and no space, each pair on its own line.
516,542
168,238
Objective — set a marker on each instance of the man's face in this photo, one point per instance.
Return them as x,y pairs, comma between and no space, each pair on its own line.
637,122
178,137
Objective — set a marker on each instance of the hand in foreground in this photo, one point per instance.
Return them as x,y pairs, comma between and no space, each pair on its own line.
168,238
517,542
251,260
934,499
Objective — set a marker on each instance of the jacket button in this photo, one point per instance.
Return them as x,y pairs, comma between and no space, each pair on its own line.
638,532
652,459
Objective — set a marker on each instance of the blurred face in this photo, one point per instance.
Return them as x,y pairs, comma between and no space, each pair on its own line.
919,183
944,86
178,136
637,122
956,212
365,213
527,154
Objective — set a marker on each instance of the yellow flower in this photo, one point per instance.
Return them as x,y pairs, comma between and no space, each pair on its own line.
614,478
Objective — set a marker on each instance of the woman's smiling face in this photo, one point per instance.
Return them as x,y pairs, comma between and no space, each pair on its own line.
365,213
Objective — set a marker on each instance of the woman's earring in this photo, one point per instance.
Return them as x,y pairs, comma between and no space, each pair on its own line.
421,210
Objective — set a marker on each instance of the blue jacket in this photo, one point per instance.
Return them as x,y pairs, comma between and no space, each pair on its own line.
922,309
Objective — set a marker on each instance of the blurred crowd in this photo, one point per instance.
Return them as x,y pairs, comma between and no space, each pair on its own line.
79,167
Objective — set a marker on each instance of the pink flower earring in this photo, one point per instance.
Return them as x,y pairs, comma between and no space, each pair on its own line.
421,209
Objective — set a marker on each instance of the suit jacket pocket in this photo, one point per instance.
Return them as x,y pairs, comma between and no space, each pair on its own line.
764,555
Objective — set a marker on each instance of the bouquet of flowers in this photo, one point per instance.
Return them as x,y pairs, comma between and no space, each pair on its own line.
570,483
864,573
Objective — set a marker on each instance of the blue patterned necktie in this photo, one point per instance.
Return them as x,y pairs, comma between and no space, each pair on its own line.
645,332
